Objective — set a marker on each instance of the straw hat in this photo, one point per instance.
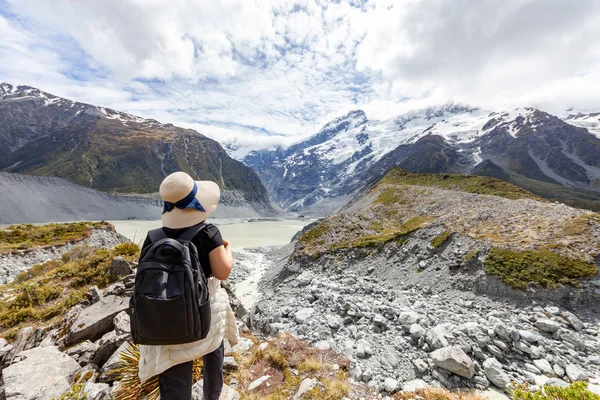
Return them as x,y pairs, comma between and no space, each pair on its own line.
187,202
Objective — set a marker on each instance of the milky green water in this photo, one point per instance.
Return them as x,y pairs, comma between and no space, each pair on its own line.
241,233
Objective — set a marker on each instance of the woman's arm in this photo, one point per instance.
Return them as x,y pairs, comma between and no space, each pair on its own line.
221,261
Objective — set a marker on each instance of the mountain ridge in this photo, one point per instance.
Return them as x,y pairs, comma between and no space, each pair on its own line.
97,147
335,162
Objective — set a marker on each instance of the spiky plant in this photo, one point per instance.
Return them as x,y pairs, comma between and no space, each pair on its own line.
131,387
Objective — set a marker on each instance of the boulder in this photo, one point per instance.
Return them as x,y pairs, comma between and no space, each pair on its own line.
42,373
122,324
107,345
576,374
305,278
547,325
454,359
363,349
226,394
495,373
120,267
572,320
390,385
414,385
96,320
83,352
303,315
242,346
544,366
112,363
407,318
436,337
93,294
96,391
555,382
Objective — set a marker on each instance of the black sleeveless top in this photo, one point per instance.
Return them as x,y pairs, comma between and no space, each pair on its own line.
205,241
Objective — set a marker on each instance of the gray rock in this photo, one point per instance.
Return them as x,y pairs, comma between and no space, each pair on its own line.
414,385
573,338
363,349
381,323
417,331
306,386
96,320
544,366
390,385
529,336
120,267
122,324
258,382
229,363
547,325
42,373
305,278
500,328
420,365
436,337
96,391
303,315
112,363
333,322
129,281
83,352
572,320
495,373
242,346
407,318
93,294
107,345
454,359
558,370
227,393
576,374
555,382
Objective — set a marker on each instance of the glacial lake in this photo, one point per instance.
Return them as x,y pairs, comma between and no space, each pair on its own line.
240,232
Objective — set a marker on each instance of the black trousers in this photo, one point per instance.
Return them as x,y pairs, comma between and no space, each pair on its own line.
176,382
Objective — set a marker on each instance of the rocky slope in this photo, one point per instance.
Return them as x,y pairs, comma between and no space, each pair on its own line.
34,199
445,280
552,157
100,148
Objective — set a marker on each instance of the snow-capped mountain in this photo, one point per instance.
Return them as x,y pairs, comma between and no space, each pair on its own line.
318,174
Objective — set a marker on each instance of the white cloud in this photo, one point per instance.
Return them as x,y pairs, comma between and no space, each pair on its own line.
268,71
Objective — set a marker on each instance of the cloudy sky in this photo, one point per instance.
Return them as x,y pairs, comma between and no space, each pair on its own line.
270,71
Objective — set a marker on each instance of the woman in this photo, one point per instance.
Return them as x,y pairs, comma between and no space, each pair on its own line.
187,204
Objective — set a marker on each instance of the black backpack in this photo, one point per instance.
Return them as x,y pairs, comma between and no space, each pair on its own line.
170,303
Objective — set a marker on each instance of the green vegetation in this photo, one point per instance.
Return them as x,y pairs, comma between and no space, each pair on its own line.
281,355
576,391
439,240
21,237
472,255
388,196
544,267
581,225
397,234
48,290
313,235
463,183
76,393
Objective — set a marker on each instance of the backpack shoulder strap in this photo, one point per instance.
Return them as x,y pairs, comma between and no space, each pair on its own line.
191,233
156,234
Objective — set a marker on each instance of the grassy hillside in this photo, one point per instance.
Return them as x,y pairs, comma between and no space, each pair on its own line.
528,239
573,197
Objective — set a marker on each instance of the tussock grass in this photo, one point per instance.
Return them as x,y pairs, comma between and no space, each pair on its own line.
436,394
28,236
464,183
48,290
576,391
544,267
439,240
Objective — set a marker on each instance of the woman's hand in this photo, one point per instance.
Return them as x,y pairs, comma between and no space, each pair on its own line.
221,261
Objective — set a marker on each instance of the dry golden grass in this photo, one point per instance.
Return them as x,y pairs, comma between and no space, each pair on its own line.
436,394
